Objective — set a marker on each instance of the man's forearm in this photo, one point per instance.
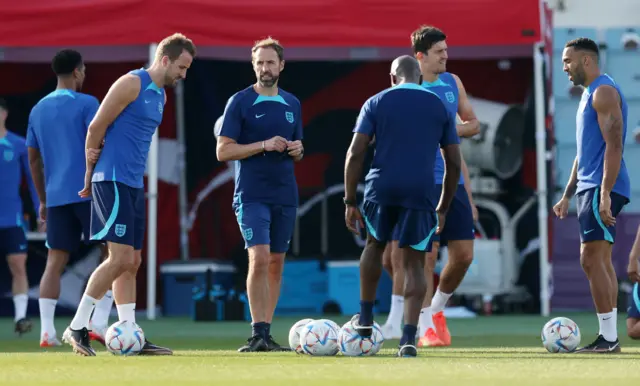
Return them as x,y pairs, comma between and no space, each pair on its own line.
234,151
612,161
466,178
468,129
572,184
352,173
37,174
635,249
452,166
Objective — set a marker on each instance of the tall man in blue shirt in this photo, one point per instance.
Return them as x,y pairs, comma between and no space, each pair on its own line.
410,124
14,165
262,131
599,180
57,131
126,121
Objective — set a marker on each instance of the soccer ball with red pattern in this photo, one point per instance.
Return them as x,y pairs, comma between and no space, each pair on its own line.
560,335
124,338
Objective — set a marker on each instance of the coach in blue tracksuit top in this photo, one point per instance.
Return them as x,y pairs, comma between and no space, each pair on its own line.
262,131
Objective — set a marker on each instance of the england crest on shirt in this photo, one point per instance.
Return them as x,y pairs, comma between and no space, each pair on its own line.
289,116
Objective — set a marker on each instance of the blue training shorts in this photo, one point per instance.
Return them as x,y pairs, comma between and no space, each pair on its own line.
459,223
591,226
415,228
12,241
266,224
633,305
118,213
66,224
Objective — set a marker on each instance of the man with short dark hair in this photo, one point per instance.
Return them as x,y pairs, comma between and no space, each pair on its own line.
126,121
261,131
57,130
410,124
599,180
14,166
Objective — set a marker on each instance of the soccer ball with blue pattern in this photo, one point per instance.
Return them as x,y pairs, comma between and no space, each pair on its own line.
294,335
320,338
124,338
560,335
352,344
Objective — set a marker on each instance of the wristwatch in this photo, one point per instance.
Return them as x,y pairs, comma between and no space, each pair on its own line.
348,202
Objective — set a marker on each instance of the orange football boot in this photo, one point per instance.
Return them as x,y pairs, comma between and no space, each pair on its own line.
441,328
430,339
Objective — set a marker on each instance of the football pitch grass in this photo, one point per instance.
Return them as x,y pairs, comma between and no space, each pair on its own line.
495,350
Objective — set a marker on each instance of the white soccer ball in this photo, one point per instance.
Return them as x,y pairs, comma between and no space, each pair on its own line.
294,335
319,338
124,338
560,335
352,344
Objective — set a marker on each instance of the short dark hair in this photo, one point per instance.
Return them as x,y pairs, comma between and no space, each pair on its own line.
172,46
269,43
425,37
3,105
584,44
66,61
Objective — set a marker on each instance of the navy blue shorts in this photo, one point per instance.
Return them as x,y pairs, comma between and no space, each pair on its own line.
118,213
415,228
591,226
266,224
633,305
12,241
459,223
66,224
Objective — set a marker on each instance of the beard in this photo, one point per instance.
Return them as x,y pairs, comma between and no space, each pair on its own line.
269,81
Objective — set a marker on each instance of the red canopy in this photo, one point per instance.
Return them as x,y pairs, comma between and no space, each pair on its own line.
309,24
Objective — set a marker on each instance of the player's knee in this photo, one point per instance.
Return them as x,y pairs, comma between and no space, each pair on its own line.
124,261
56,261
430,261
259,258
415,286
137,260
386,260
17,264
276,264
589,259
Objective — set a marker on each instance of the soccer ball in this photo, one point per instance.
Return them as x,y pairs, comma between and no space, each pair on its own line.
319,338
294,335
124,338
560,335
352,344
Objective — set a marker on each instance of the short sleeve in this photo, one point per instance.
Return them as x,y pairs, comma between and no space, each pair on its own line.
232,119
32,140
365,124
90,110
449,132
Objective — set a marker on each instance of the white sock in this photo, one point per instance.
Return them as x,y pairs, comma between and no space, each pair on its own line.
127,312
439,301
47,314
615,318
83,314
426,320
608,326
100,316
397,310
20,303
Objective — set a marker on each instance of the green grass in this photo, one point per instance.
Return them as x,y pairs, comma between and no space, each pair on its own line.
497,350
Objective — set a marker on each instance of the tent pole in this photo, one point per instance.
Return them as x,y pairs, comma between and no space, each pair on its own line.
541,161
152,227
182,162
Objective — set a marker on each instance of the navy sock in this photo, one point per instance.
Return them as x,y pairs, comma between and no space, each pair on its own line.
259,329
408,335
268,330
366,313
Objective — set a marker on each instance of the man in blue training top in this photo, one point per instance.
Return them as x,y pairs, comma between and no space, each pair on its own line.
14,165
430,49
262,131
128,116
410,125
599,180
57,131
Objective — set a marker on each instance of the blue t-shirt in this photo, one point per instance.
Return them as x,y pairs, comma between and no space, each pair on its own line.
268,177
410,124
591,144
58,127
447,89
128,138
14,164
